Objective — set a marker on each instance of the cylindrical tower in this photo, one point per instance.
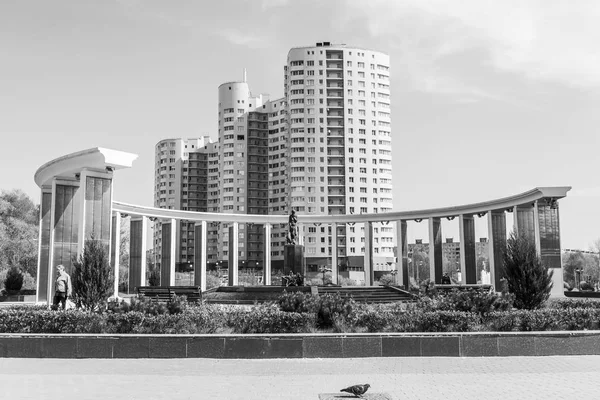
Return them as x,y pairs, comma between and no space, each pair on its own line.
338,102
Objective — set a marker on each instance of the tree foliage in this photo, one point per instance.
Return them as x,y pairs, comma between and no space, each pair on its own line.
526,277
13,280
93,277
19,218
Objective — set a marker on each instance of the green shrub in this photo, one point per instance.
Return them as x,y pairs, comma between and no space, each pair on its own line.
212,280
13,280
154,278
526,277
326,306
128,322
92,276
342,281
270,319
387,280
577,319
573,303
476,301
435,321
42,320
538,320
501,321
148,306
372,317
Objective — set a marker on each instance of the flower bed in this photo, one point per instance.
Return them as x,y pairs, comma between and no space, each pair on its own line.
303,313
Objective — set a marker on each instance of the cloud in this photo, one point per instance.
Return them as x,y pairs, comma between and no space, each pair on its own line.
244,39
549,40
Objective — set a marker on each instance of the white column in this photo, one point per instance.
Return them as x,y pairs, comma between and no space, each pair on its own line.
117,250
368,256
334,257
233,254
463,258
267,255
536,230
173,250
200,244
431,250
401,253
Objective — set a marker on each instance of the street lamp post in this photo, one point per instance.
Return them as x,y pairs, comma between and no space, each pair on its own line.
323,270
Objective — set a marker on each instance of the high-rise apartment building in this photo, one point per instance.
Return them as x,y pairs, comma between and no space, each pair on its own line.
324,148
340,158
174,188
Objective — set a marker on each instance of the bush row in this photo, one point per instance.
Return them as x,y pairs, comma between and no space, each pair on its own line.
208,319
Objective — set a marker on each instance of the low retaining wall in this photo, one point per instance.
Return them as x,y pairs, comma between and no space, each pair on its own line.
300,346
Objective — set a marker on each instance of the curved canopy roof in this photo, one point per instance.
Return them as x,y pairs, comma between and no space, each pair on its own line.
501,204
97,158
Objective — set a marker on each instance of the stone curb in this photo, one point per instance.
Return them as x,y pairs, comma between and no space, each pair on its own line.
472,344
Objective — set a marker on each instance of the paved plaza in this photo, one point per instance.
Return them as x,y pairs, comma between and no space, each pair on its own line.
561,377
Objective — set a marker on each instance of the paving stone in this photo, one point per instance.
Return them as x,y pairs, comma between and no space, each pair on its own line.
410,378
366,396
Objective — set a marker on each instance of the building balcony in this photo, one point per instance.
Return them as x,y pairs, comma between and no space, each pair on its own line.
335,104
334,65
335,93
335,161
333,131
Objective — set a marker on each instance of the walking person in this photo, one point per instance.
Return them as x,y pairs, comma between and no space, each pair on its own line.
62,288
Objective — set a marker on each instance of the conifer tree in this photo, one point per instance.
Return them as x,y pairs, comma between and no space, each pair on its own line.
526,276
93,278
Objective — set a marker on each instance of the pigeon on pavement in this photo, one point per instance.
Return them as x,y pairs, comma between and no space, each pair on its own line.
357,390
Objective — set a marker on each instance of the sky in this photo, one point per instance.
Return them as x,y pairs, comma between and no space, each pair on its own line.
489,98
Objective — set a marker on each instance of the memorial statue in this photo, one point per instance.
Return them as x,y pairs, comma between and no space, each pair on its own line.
293,230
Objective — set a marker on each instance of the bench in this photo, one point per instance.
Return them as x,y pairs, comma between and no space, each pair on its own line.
165,294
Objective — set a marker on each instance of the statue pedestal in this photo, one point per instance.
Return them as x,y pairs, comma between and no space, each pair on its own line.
293,259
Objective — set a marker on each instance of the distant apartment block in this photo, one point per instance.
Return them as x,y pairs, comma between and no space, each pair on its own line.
323,148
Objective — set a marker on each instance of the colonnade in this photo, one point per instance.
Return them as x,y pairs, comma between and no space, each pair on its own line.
76,204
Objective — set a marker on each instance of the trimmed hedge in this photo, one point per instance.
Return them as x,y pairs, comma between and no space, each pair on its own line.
297,313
